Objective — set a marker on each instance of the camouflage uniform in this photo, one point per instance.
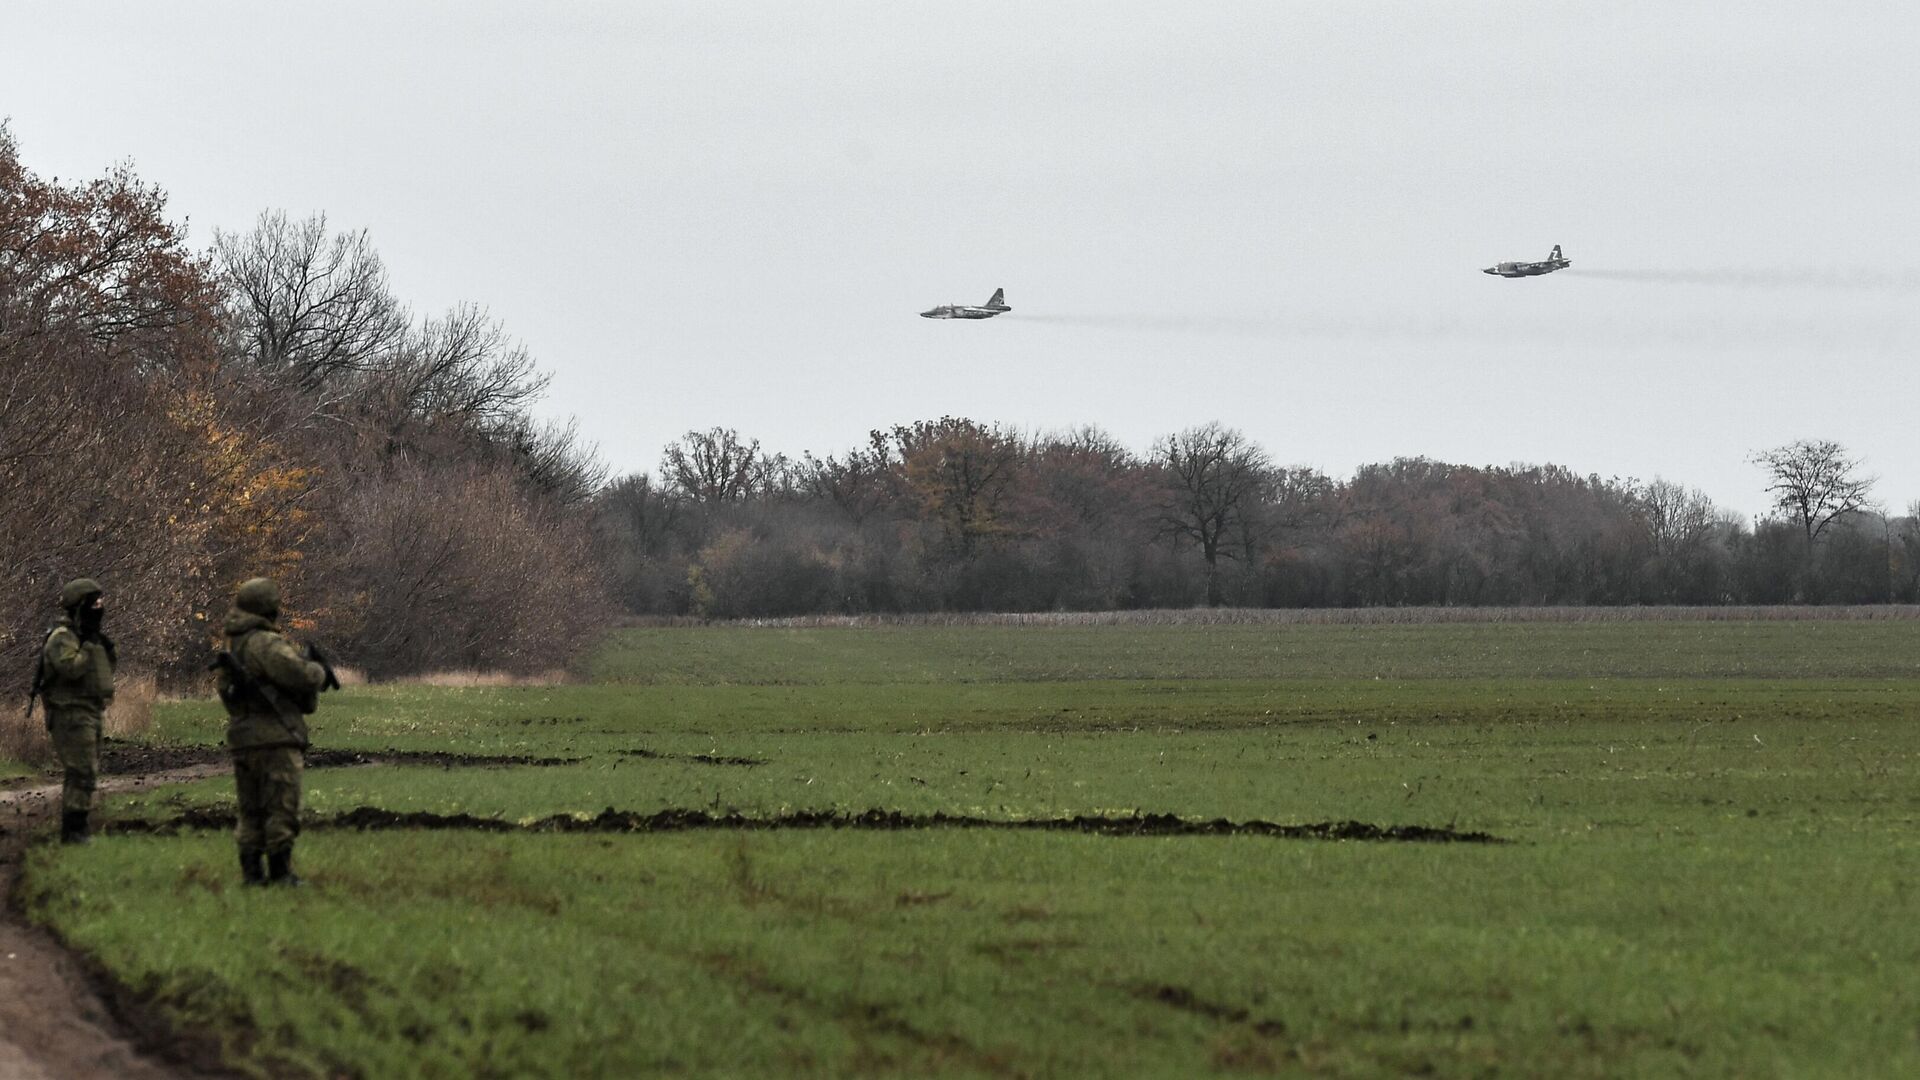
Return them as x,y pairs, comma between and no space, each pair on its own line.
76,675
267,731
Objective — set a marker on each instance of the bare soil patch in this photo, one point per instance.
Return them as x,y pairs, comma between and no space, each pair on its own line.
374,819
698,759
333,759
62,1017
59,1018
140,760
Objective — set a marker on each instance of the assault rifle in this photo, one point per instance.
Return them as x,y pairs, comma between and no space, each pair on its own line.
39,682
38,689
239,685
332,681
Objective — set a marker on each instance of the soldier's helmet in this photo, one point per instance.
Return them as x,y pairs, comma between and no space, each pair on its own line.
79,591
258,596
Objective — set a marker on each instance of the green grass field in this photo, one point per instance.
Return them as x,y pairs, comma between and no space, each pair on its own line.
1715,841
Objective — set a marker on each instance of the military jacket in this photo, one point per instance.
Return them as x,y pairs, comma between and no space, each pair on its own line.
287,684
76,674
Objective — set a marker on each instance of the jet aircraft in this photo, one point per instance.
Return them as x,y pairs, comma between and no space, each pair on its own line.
992,307
1555,261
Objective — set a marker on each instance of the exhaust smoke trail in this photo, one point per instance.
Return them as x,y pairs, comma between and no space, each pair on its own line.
1171,324
1858,281
1618,330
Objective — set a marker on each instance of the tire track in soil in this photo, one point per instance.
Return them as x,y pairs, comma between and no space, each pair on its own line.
862,1018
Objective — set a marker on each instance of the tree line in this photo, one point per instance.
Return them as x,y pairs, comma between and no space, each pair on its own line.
958,515
174,420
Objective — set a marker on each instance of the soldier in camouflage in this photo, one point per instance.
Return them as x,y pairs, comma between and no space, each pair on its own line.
76,679
266,731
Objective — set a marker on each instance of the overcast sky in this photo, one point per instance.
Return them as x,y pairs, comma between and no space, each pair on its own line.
1268,214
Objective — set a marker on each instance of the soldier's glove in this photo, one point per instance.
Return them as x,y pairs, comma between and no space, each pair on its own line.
113,655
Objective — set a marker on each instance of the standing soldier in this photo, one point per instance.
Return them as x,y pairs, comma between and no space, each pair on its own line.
268,689
76,683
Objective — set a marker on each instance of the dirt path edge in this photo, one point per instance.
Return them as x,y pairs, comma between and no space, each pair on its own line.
61,1014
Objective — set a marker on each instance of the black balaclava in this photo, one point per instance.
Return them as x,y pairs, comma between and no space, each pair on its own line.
89,613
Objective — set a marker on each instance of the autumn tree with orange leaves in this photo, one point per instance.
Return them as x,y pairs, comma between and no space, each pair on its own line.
172,424
107,320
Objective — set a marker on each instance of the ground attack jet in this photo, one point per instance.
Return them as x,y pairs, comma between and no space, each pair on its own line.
1555,261
986,311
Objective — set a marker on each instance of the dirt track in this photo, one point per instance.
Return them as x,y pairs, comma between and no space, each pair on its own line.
53,1025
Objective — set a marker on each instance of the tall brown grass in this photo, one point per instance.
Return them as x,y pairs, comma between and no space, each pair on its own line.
24,739
131,713
483,678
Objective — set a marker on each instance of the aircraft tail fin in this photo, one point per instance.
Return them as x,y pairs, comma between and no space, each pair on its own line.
1556,256
1000,298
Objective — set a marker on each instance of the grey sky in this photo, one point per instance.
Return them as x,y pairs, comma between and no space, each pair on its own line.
1268,214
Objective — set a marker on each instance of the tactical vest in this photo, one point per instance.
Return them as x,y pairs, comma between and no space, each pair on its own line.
90,690
271,715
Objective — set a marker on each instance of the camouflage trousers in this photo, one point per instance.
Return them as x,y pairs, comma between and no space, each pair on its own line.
268,783
76,739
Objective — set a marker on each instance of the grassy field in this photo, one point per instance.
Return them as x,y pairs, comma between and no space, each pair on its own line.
1714,840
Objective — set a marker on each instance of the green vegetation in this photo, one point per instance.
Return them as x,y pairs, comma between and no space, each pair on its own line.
1509,756
1712,871
1528,650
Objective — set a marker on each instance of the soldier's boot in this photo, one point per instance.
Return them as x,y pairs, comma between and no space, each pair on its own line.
280,869
73,827
253,868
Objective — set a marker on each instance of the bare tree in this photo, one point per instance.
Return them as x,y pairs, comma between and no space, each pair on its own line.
313,307
459,376
1905,552
1677,519
550,457
639,514
1214,474
456,567
859,484
1814,483
717,466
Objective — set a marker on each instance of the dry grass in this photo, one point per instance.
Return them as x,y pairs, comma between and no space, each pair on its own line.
482,678
203,687
1329,616
131,713
24,740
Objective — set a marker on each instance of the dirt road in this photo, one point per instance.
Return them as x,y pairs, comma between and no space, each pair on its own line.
53,1026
